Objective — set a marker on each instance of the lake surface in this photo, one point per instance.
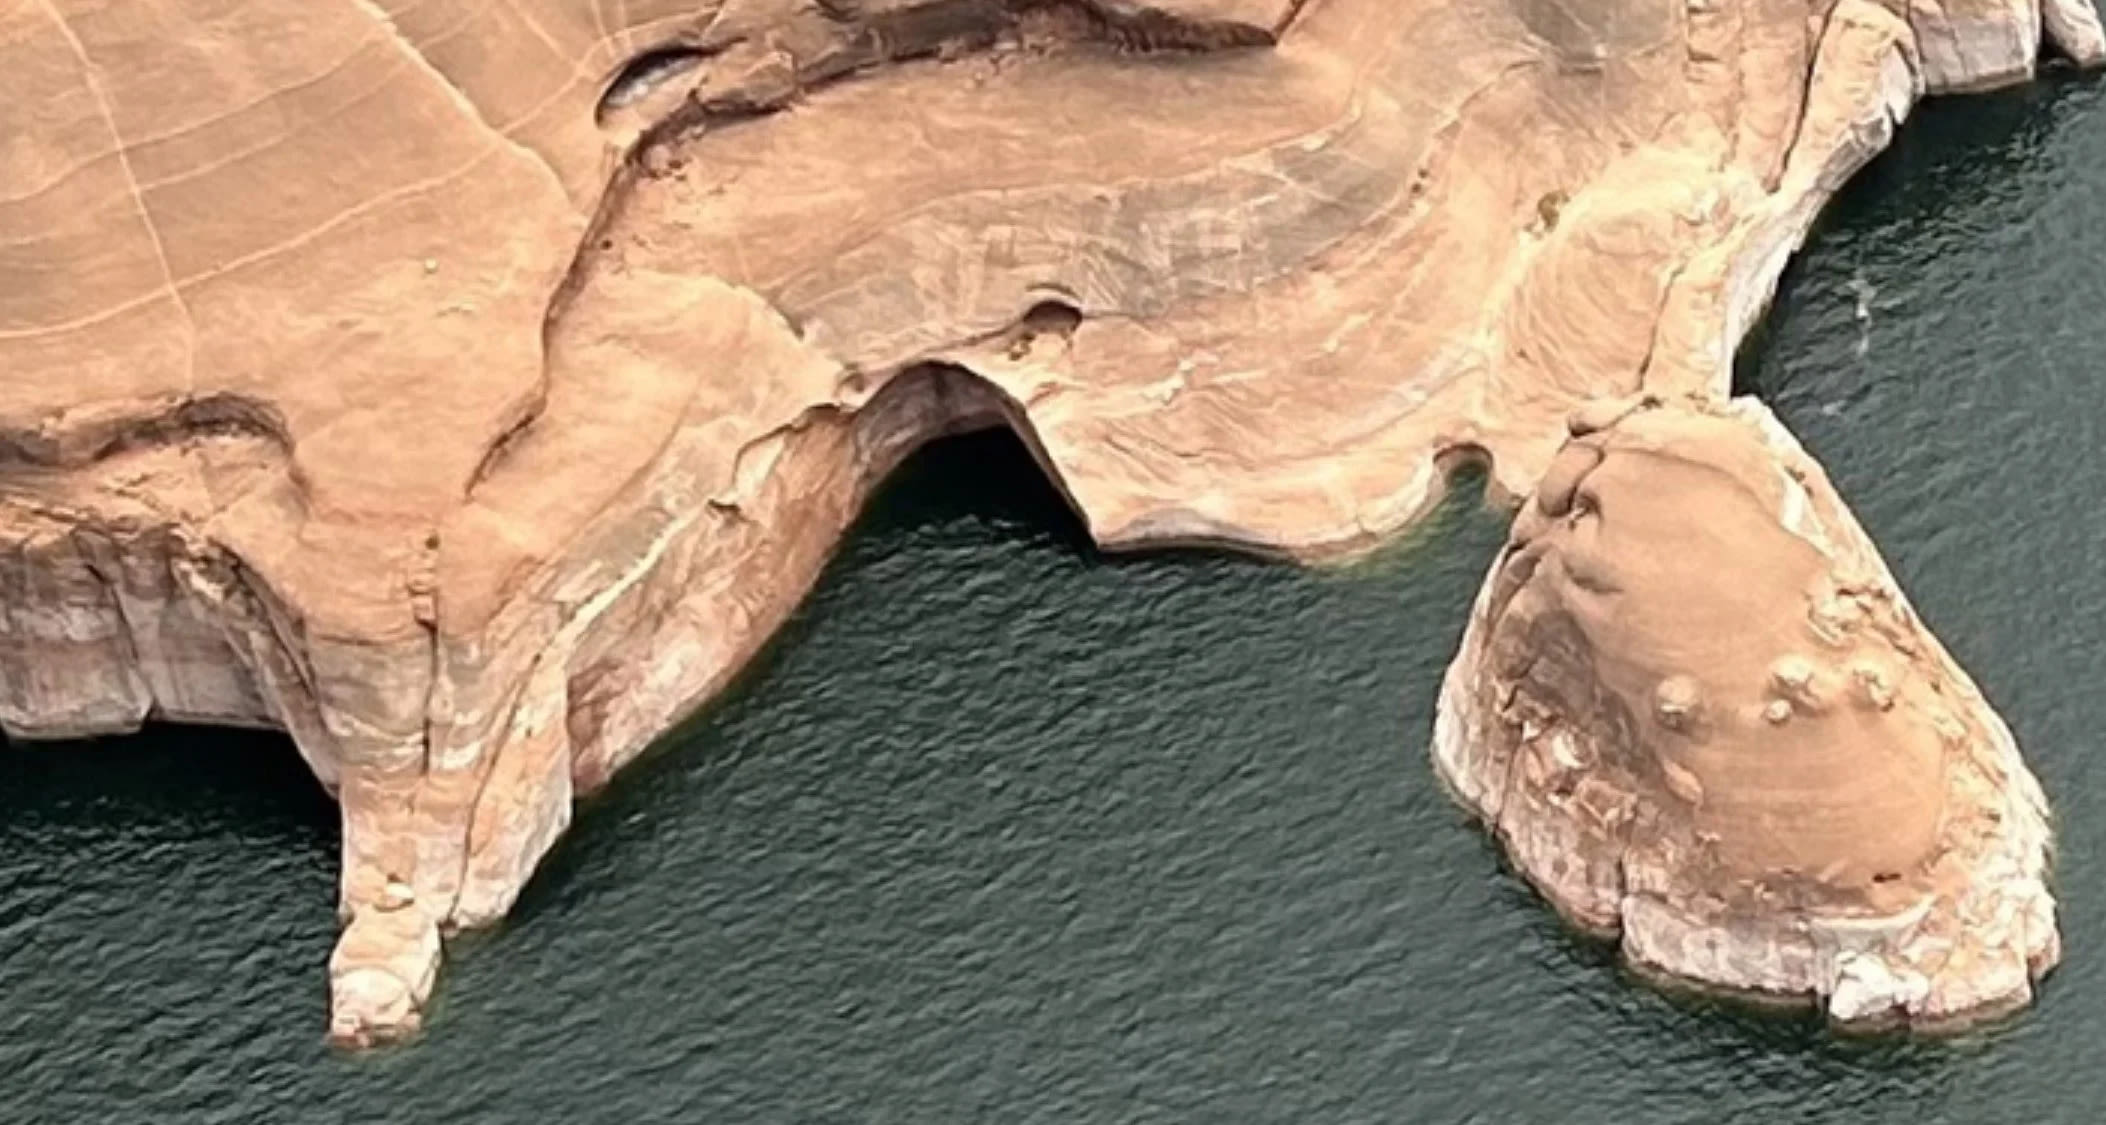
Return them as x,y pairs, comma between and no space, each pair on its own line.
1002,830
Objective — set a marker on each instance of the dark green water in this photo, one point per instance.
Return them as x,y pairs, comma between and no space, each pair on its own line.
1004,831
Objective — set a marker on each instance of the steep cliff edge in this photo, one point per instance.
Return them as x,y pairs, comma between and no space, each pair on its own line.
1701,716
470,389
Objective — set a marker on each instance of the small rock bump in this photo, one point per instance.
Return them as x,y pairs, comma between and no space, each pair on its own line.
1875,685
1796,680
1777,712
1792,673
1676,701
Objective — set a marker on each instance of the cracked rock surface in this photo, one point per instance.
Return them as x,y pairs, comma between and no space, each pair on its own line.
469,389
1701,716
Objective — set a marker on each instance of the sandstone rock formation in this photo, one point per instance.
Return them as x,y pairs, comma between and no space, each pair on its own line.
1698,712
469,389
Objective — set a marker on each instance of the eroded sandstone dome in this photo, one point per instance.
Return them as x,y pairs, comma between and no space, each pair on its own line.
1700,714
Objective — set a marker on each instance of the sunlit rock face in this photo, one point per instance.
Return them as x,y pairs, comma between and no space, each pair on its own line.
470,389
1701,716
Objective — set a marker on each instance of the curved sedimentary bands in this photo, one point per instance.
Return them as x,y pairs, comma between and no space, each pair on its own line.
469,389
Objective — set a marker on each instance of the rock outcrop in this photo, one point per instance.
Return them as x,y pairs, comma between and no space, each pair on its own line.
1700,715
469,389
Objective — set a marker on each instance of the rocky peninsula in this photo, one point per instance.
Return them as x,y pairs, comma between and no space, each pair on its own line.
470,390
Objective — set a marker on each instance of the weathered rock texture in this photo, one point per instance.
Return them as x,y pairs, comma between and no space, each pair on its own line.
470,388
1699,713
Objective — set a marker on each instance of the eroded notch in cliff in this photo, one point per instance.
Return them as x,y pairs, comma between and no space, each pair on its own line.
1045,321
71,442
647,74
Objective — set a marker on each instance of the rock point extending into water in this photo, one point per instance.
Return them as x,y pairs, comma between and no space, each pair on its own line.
1701,716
